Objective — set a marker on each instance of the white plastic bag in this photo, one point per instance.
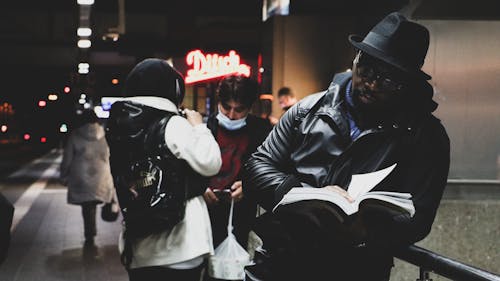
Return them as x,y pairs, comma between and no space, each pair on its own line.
230,258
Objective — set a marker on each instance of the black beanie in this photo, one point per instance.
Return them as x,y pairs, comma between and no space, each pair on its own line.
155,77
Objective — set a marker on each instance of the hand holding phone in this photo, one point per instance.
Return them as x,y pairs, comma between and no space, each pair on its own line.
223,194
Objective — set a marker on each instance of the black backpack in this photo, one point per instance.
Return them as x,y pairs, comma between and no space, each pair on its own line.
151,183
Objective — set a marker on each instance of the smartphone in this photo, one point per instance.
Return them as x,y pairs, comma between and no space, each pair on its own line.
223,194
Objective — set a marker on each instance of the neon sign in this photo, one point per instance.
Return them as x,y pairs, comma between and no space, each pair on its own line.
209,66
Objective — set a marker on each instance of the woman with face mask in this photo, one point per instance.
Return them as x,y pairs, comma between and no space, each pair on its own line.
238,134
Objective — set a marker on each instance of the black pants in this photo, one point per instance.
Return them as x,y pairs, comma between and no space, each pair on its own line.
309,243
243,218
89,222
159,273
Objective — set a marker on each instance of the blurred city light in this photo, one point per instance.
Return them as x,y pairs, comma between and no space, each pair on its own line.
100,112
85,2
52,97
26,136
114,81
84,31
83,68
42,103
4,128
84,43
6,108
63,128
106,102
43,139
266,97
67,89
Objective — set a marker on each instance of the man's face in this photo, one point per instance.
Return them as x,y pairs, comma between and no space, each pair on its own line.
376,85
286,102
233,110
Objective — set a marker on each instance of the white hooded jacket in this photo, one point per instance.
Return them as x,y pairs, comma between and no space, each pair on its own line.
85,166
190,241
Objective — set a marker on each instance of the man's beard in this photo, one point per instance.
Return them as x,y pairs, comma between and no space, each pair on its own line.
375,111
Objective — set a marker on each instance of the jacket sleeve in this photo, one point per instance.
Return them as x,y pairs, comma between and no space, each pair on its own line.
268,173
427,176
195,144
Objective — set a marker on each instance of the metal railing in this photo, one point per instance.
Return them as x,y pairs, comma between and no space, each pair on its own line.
473,182
429,261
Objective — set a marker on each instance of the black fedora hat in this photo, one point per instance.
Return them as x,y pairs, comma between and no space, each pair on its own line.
398,42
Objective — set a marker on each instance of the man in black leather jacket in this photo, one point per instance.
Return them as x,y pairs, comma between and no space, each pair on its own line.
368,119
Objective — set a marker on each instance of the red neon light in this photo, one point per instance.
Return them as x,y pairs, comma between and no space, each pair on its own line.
210,66
259,67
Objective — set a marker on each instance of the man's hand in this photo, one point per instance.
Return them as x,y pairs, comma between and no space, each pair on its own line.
193,117
210,197
237,191
236,194
339,190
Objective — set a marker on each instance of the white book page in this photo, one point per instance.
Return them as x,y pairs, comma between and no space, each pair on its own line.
304,193
402,195
402,201
362,183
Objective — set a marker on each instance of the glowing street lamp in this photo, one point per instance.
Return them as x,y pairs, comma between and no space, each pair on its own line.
84,43
85,2
84,31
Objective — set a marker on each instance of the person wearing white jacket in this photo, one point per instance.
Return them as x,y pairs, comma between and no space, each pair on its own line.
85,170
179,253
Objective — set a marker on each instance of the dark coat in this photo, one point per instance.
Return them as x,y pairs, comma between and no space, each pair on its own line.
311,146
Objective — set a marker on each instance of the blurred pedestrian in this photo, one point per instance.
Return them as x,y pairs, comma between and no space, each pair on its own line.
85,170
238,133
286,98
265,107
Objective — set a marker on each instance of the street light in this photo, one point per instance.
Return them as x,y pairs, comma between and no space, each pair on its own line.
84,43
85,2
84,31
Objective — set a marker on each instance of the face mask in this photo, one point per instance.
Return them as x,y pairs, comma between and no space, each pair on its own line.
229,124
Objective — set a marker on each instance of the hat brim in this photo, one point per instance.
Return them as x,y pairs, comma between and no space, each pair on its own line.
357,42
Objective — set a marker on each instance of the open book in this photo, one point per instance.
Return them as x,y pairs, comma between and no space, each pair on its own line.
359,190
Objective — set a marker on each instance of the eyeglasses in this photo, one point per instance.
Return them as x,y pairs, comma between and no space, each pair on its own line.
369,72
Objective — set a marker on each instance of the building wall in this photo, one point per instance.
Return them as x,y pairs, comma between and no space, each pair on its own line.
307,51
464,61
